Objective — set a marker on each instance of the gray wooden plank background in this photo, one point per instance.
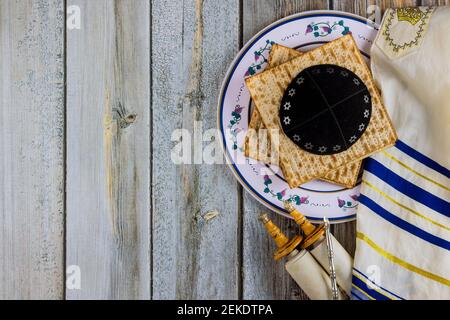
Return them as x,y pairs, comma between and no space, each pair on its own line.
108,150
32,149
86,177
193,257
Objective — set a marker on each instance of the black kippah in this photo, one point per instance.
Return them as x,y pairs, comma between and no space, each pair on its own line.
325,109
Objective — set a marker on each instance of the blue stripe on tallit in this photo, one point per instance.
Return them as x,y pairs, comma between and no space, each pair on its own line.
358,295
407,188
374,294
354,296
430,163
364,276
412,229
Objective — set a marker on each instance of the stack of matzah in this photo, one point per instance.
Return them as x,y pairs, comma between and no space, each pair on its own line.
272,146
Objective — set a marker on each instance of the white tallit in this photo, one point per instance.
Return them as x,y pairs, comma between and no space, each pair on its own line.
403,224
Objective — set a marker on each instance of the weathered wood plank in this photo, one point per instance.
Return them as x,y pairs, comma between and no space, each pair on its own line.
108,149
435,2
263,278
194,257
257,14
32,149
384,4
354,6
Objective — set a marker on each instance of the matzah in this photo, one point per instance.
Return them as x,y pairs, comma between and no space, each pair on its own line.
267,89
257,143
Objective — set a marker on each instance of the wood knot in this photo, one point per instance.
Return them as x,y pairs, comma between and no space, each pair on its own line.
211,215
122,116
130,118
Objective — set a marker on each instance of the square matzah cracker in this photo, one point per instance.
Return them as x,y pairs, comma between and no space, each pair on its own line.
257,144
267,89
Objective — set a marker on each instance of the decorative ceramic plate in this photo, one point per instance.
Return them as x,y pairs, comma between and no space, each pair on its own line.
303,32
